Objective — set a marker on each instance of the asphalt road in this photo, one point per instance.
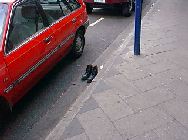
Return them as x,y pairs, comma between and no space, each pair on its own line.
42,108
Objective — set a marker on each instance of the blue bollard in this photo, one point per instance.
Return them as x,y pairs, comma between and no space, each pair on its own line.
138,11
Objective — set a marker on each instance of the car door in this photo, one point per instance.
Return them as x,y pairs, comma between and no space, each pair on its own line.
75,18
4,75
61,23
76,15
28,37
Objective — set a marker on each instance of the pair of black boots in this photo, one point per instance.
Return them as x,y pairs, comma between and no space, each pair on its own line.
90,73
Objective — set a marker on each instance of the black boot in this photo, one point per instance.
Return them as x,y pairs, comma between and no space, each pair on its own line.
93,74
87,73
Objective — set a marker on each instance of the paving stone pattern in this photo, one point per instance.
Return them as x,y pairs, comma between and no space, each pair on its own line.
143,97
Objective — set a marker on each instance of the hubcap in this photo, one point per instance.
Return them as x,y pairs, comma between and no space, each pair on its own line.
79,44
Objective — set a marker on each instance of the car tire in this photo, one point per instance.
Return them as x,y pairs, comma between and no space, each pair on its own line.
127,8
89,8
78,44
133,8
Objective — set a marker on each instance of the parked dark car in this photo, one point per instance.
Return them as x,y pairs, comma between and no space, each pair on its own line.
126,6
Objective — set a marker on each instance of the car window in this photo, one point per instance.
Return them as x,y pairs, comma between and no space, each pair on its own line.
3,13
54,9
65,7
73,4
25,22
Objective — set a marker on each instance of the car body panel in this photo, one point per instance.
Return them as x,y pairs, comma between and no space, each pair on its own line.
20,62
5,81
64,32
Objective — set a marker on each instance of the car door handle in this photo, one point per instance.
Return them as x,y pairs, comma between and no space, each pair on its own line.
73,20
48,40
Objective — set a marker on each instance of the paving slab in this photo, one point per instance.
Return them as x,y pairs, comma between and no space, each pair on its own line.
119,60
148,83
147,136
132,72
150,98
90,104
183,75
74,128
172,131
157,57
79,137
156,80
98,126
112,105
112,72
123,87
160,67
177,109
101,86
136,61
179,88
142,122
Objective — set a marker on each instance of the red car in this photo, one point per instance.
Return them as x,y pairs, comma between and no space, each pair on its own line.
126,6
34,36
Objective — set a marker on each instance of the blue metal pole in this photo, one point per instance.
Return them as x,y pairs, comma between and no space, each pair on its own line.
138,10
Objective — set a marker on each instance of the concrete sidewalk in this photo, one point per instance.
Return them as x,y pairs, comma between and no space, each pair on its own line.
138,97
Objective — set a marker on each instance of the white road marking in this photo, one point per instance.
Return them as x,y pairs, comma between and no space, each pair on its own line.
93,24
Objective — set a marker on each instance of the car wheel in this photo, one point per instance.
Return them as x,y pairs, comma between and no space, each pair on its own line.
78,44
127,8
133,3
89,8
